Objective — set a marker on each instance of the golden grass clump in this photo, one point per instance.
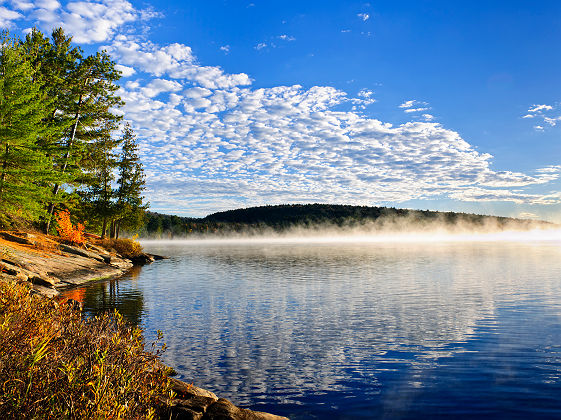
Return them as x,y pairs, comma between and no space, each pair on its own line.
53,364
128,248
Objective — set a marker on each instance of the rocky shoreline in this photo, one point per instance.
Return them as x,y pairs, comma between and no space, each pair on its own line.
51,267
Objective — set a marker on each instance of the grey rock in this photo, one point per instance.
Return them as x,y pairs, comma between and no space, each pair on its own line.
196,403
45,291
81,252
20,240
226,410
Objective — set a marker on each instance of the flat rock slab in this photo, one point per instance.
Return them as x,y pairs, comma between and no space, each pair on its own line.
56,268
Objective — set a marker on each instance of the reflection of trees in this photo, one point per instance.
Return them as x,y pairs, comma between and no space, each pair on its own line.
120,294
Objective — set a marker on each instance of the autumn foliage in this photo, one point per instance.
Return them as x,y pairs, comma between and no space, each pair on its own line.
69,233
56,365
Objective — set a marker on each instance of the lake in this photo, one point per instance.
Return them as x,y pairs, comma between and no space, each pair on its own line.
350,330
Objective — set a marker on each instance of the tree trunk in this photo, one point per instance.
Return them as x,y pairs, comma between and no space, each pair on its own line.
56,188
112,230
104,228
4,169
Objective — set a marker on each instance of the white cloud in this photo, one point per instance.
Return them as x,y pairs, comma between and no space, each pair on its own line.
225,48
125,71
87,21
416,110
364,16
285,37
209,141
408,104
552,121
157,86
22,4
365,93
175,60
538,108
238,145
260,46
7,17
543,113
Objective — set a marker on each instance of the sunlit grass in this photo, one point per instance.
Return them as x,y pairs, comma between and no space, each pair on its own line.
53,364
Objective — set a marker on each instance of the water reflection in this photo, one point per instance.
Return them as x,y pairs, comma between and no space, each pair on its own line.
330,331
122,294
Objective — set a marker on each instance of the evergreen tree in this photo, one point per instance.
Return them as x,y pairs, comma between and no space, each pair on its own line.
24,169
130,185
84,96
56,64
97,192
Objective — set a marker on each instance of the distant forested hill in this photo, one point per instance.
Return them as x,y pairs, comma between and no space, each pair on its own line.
284,217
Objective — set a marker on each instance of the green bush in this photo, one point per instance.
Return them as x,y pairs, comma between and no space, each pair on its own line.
53,364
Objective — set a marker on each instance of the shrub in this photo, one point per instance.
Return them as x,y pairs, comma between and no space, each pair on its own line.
55,365
128,248
67,232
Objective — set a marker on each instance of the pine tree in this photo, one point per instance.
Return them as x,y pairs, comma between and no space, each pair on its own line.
24,169
84,102
97,192
130,186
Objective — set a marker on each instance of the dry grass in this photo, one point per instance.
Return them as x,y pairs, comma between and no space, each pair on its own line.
55,365
128,248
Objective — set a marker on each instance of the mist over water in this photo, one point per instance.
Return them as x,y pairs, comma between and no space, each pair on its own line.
375,234
360,325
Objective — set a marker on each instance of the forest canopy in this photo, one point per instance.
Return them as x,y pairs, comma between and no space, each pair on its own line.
63,144
287,217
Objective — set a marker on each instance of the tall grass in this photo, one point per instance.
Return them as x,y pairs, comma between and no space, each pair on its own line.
53,364
128,248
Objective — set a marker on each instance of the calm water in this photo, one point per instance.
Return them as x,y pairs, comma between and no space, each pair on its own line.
351,331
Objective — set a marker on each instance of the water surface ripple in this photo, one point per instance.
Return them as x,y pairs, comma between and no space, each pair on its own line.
349,331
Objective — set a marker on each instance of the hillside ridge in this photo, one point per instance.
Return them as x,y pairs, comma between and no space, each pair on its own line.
286,216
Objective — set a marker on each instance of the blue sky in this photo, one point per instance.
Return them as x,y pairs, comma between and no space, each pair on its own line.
423,104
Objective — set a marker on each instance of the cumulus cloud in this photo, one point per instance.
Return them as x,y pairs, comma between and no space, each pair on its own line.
544,113
8,16
408,104
87,21
552,121
225,48
209,141
260,46
125,71
409,110
538,108
365,93
226,146
175,60
364,16
285,37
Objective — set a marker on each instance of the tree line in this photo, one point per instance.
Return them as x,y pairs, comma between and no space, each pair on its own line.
63,144
284,217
